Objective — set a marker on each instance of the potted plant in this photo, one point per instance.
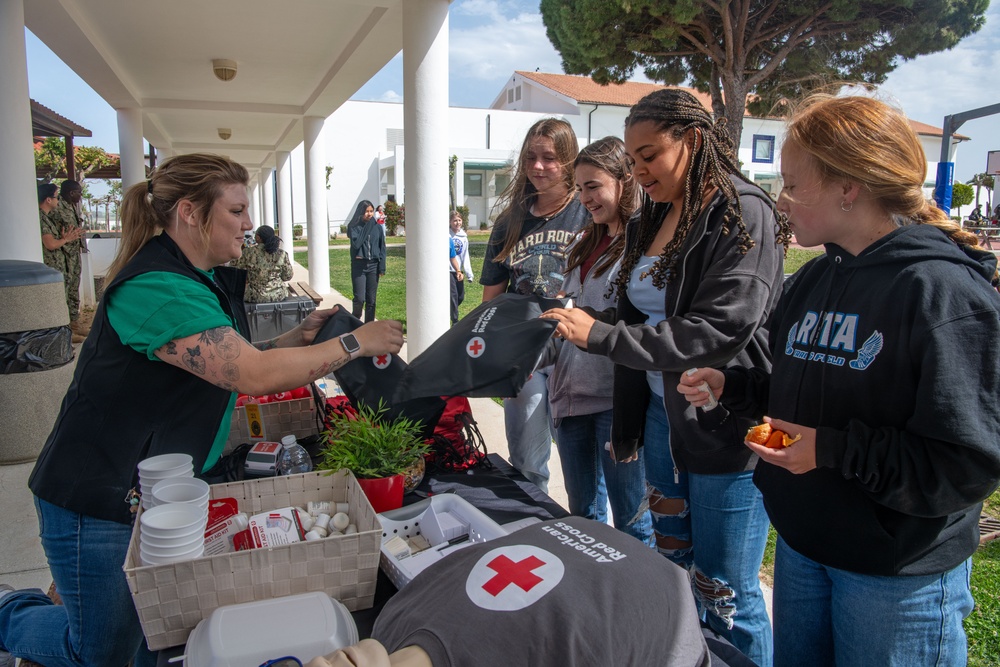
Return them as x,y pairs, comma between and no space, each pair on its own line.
379,451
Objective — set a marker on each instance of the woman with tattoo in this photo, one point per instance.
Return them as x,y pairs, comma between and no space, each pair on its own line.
159,373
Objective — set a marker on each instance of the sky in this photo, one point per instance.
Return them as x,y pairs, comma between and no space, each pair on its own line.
490,39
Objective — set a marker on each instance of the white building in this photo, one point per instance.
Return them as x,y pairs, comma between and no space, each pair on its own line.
364,142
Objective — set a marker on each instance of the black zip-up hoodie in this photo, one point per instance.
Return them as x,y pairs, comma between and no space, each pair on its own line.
891,356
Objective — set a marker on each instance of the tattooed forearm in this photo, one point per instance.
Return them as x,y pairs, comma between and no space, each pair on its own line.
266,344
171,348
194,361
327,368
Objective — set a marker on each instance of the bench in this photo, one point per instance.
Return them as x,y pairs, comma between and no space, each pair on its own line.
303,289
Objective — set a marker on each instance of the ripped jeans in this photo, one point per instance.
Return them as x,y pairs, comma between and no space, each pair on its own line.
716,527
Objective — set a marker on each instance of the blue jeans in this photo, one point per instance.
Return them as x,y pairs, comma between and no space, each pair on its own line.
826,616
714,525
364,283
529,434
591,475
96,623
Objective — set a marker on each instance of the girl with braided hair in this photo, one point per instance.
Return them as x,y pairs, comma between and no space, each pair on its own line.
700,275
879,367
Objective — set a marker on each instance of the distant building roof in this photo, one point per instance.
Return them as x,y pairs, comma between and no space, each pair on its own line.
931,131
47,123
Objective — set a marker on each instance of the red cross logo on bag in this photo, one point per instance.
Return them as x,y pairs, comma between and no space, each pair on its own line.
513,577
382,361
476,347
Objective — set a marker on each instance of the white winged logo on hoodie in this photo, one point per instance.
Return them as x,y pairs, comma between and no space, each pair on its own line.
789,343
869,350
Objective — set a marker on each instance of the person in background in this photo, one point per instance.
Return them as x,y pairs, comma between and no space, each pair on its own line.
367,259
700,275
580,384
267,267
163,363
540,216
977,214
460,266
380,218
65,234
879,367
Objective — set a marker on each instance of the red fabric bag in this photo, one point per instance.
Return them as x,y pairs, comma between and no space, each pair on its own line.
457,443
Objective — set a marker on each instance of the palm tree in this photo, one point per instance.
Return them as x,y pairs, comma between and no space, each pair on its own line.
983,181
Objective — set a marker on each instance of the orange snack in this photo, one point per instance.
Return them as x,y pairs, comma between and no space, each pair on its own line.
772,438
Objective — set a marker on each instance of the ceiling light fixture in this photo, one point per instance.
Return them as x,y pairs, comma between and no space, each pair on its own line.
225,70
225,133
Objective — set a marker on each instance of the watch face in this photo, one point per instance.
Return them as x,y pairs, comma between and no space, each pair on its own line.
350,343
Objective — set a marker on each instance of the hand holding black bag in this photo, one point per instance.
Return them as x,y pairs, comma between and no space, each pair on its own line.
489,353
371,380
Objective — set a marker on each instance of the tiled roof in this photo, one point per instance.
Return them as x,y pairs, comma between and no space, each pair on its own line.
585,90
930,130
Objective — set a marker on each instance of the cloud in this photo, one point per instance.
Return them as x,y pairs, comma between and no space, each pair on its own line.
390,96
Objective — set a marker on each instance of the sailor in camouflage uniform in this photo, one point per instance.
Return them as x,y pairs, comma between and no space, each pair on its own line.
267,267
62,231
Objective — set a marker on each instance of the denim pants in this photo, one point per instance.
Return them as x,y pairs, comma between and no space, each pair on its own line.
725,523
96,623
364,282
591,475
826,616
457,295
528,426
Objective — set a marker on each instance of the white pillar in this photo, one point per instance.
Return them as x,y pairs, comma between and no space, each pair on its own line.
255,217
267,178
425,123
130,147
460,182
316,217
22,238
285,220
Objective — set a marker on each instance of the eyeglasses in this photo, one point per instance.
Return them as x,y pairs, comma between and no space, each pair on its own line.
283,662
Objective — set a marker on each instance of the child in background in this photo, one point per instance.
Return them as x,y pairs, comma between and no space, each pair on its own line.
461,267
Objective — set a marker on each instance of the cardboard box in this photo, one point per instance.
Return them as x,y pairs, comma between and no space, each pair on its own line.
296,417
172,599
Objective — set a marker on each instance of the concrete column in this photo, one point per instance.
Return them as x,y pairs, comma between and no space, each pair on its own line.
255,215
267,178
460,182
130,147
425,122
19,219
285,219
317,221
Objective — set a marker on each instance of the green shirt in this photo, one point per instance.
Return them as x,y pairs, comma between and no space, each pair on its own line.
152,309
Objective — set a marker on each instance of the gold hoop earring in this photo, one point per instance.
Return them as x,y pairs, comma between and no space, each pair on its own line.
846,207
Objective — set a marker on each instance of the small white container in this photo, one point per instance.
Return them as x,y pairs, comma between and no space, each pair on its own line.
165,463
306,626
149,559
181,490
173,519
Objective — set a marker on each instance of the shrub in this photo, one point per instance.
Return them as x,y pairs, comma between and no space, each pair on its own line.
296,231
395,216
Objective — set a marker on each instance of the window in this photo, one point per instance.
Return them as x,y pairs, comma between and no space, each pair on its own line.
517,93
501,181
763,148
473,185
510,96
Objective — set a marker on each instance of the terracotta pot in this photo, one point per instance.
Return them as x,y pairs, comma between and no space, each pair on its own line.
385,493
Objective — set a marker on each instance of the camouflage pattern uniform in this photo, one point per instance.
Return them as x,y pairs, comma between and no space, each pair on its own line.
63,218
267,274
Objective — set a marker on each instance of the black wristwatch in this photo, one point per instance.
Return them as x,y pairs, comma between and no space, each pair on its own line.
351,344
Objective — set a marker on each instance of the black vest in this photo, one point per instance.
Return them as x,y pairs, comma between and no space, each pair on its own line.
123,407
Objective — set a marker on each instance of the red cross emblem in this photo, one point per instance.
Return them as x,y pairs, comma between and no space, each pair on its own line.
513,577
476,347
508,572
382,360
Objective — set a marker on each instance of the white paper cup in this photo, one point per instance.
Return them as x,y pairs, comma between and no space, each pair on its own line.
149,559
164,463
173,519
153,543
175,550
181,490
181,535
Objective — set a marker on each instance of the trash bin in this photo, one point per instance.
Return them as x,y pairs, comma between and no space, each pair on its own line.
38,371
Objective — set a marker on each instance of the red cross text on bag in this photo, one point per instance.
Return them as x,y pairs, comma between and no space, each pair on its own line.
513,577
476,347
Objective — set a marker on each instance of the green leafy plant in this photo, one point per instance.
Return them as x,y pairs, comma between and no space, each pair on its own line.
371,446
395,216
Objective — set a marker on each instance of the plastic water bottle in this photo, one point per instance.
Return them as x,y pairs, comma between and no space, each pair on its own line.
294,457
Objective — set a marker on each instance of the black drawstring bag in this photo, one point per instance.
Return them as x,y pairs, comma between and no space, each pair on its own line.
489,353
369,380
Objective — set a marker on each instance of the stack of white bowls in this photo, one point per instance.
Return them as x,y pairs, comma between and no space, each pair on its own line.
172,532
157,468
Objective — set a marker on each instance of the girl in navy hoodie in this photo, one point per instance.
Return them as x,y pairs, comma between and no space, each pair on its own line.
878,365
